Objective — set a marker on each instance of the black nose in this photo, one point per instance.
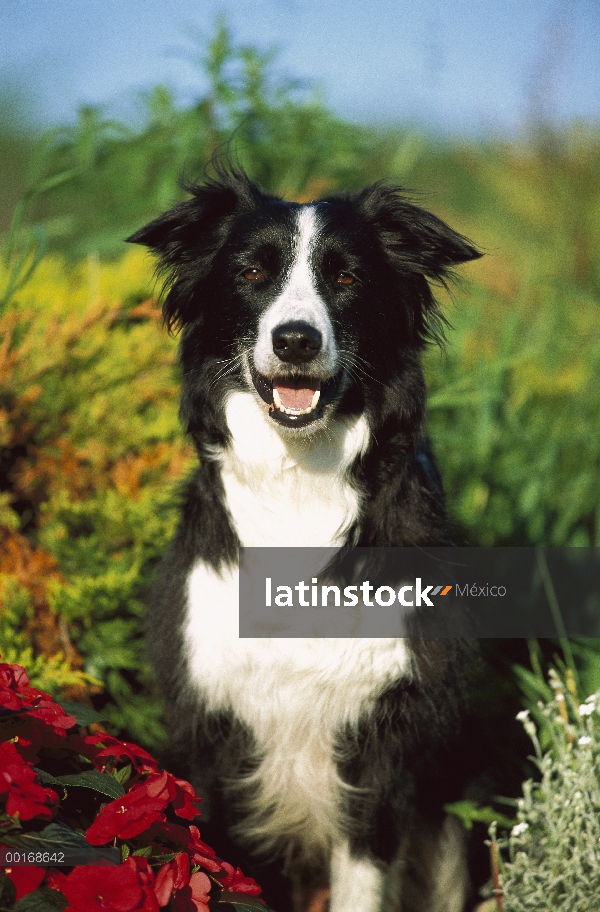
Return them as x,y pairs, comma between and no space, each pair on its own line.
296,342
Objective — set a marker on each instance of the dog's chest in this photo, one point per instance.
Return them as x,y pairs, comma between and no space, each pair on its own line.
289,493
295,695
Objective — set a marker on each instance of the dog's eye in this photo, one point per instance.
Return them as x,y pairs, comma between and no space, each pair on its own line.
344,278
253,274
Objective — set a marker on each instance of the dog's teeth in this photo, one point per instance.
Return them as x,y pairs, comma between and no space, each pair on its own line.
276,398
315,399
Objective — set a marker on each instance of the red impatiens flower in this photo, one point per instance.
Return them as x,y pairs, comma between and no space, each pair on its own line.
194,897
126,817
185,799
175,885
144,804
177,792
189,839
16,693
140,758
235,881
55,879
38,719
126,888
14,687
26,878
172,876
201,853
26,797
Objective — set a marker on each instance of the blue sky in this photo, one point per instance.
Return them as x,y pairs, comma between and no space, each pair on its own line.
468,65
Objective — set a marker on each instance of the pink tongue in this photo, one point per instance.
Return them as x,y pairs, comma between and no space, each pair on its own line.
296,397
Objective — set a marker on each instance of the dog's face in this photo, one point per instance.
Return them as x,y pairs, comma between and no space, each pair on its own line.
300,303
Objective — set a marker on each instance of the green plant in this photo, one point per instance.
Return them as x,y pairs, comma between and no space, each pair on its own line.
551,859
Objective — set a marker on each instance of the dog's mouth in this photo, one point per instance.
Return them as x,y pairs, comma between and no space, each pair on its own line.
295,401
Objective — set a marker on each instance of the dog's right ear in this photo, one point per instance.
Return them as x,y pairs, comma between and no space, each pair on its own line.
187,238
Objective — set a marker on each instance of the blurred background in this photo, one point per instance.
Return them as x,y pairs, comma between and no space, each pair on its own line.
489,112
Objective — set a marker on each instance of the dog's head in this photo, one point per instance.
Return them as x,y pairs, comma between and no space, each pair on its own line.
306,305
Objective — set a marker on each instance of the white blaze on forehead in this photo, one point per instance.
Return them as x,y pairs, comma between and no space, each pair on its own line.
298,300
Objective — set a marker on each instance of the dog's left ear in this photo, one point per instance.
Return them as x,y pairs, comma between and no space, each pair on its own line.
415,241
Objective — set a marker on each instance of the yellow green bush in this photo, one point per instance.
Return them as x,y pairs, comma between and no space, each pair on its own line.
91,450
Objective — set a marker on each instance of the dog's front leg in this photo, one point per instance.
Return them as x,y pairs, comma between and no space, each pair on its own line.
358,884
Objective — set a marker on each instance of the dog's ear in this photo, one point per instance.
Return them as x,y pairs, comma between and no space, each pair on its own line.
415,240
419,246
187,238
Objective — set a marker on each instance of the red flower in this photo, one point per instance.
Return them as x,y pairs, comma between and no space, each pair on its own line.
14,687
172,876
126,888
125,817
16,694
186,894
202,853
25,796
177,792
55,879
189,839
185,799
26,878
236,882
143,805
194,897
140,758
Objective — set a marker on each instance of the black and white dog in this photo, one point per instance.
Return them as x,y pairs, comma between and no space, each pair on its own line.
303,327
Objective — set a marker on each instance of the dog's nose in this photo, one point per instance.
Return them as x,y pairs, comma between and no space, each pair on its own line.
296,342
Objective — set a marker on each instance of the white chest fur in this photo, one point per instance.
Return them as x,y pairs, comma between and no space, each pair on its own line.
293,694
285,492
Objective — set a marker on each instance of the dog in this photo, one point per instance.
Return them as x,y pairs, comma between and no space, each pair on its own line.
302,329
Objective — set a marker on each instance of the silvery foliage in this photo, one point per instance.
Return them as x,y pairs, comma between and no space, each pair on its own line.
551,859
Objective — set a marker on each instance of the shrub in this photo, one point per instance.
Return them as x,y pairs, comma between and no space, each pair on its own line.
90,447
552,856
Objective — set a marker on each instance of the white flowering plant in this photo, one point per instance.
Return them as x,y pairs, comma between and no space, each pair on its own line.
550,861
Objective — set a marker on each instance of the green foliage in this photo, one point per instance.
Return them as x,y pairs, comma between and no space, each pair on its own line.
469,813
552,855
121,176
91,448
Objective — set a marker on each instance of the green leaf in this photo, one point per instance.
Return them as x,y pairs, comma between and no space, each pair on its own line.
145,852
240,902
123,774
469,813
42,900
85,715
100,782
56,837
7,891
46,778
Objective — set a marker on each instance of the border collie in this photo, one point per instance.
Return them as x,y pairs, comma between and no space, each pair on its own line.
302,330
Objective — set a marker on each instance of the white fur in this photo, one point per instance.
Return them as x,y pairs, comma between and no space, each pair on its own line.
294,695
356,884
299,300
285,491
